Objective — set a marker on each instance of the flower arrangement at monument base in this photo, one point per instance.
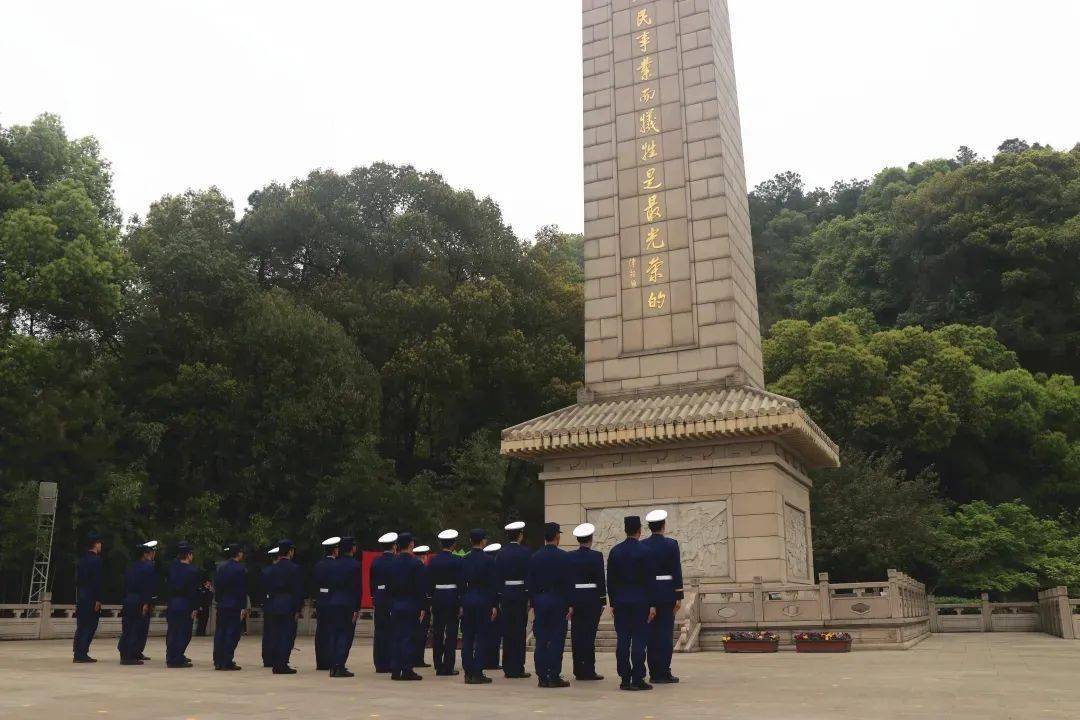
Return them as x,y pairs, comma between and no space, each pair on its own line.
751,642
822,642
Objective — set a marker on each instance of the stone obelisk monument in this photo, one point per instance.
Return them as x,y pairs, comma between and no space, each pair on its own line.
673,413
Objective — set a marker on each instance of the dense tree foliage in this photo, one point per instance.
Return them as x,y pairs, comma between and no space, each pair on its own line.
340,358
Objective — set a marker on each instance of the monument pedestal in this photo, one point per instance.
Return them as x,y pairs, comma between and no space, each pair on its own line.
727,462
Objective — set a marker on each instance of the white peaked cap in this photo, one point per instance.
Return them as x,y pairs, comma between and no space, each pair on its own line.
388,538
150,544
656,516
273,551
421,549
331,541
448,535
494,547
516,525
584,530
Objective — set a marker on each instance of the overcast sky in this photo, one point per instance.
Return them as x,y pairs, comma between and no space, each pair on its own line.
240,93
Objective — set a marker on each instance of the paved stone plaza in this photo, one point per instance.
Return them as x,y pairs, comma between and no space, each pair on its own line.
992,675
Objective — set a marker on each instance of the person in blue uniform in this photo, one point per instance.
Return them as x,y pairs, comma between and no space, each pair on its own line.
182,584
405,583
342,606
140,587
230,585
549,585
444,583
206,602
285,597
512,563
478,606
424,626
630,576
267,637
667,597
491,634
383,635
324,619
588,600
89,577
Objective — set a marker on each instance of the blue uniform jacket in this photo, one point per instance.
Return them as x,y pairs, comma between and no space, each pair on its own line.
478,580
89,577
667,561
230,585
284,588
587,568
322,577
182,584
378,577
140,582
512,566
345,575
406,582
443,571
631,574
549,575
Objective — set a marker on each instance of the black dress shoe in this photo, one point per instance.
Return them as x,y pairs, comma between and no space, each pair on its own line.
341,673
558,683
84,660
642,685
588,678
422,665
667,680
232,666
143,657
412,676
480,679
628,686
283,670
178,665
519,676
131,662
447,673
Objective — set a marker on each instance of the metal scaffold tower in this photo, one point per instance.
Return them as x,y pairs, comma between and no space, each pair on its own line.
39,576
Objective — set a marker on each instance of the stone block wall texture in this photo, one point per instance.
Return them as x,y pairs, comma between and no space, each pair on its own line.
731,505
670,294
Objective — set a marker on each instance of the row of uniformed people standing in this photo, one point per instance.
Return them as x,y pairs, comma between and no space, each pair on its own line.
644,579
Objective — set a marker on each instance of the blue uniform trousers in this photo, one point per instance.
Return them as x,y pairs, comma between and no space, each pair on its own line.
473,620
383,641
340,635
177,635
282,636
323,637
549,627
130,643
227,636
444,637
86,625
632,636
405,617
491,641
267,645
583,627
515,621
661,641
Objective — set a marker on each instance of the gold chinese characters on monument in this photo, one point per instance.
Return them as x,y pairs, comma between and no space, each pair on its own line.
654,252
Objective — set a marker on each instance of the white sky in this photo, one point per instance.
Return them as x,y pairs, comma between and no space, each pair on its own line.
239,93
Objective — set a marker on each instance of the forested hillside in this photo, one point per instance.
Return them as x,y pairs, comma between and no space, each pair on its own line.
343,356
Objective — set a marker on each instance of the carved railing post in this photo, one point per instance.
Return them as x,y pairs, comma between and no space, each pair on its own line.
824,597
987,612
895,608
759,600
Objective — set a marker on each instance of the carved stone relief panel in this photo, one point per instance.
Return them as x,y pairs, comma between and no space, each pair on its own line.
798,554
701,528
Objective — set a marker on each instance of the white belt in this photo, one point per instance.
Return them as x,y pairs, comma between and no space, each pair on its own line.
324,590
380,587
446,587
585,586
515,582
664,577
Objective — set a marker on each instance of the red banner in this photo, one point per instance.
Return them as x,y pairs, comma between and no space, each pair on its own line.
366,557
